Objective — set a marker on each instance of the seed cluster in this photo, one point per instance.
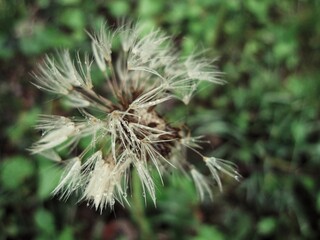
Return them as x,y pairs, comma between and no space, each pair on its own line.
126,133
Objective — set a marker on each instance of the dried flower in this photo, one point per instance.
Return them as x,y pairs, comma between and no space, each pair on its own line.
126,132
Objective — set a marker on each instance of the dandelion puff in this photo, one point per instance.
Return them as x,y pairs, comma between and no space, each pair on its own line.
121,124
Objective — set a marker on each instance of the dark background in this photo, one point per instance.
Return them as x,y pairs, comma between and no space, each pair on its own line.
265,119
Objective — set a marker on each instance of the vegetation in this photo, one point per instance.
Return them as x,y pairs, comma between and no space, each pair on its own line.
265,119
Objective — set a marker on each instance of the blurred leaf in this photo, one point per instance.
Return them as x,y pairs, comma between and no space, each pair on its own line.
177,210
66,234
299,130
239,222
43,3
194,11
309,183
216,127
12,230
188,44
6,50
267,225
149,8
14,171
119,8
318,202
49,175
258,8
44,38
68,2
206,232
45,222
25,122
177,11
73,18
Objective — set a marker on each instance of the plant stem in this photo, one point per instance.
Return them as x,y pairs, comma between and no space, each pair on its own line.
137,209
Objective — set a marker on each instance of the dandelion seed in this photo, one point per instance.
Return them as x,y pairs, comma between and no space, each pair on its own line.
201,184
70,178
216,165
103,185
125,131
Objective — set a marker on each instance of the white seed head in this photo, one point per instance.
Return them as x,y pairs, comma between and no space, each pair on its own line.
122,129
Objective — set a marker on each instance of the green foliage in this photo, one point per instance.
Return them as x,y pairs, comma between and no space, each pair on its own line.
119,8
267,225
209,232
265,119
15,171
44,222
23,125
48,178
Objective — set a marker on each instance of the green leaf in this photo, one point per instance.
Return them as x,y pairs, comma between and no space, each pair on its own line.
299,131
177,12
49,175
267,225
45,37
188,44
73,18
66,234
318,202
25,122
209,232
43,3
119,8
14,171
68,2
6,50
44,221
149,8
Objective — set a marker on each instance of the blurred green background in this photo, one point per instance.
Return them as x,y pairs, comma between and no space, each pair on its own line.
266,120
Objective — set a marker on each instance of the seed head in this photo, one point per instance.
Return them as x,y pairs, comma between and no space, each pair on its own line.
125,130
